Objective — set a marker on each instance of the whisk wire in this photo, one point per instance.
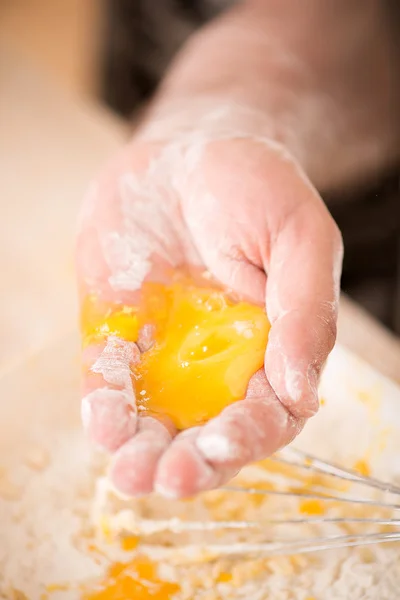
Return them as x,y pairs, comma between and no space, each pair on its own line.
347,533
296,547
312,463
311,496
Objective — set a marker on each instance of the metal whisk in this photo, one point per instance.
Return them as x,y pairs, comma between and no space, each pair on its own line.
327,484
306,462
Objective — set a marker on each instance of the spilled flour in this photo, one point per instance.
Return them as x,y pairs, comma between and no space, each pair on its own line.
51,496
39,527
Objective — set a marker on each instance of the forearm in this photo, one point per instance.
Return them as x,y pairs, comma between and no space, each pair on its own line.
293,73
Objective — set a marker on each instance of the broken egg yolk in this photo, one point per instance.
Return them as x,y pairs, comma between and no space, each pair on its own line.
206,347
137,579
100,320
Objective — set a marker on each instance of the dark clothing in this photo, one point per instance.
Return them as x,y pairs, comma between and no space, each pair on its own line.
142,37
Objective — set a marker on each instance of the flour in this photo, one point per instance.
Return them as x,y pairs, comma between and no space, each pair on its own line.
215,445
45,527
115,362
331,575
39,528
234,120
46,523
148,229
109,415
128,260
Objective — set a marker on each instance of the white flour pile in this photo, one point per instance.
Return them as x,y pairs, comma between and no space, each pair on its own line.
42,544
48,492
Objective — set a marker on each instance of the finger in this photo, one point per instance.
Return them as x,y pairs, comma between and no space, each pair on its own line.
134,464
248,430
183,471
302,298
109,412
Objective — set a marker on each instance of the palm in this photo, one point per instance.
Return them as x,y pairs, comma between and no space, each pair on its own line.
240,210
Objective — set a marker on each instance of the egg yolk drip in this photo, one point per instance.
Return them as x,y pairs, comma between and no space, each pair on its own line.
137,579
206,347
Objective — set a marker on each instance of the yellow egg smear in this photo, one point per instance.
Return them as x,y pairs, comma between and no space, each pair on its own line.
137,579
363,468
99,320
206,348
312,507
203,357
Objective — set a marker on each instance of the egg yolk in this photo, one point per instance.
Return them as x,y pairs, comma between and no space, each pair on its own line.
206,347
137,579
99,320
363,468
312,507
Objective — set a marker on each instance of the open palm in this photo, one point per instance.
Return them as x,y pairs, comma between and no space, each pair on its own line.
244,211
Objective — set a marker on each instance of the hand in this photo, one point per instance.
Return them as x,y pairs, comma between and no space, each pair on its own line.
245,211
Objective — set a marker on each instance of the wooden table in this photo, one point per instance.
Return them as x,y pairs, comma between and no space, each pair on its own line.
51,144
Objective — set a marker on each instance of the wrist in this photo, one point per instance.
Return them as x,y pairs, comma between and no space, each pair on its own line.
279,124
208,115
239,78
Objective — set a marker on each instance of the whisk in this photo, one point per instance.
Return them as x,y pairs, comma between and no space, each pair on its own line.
328,486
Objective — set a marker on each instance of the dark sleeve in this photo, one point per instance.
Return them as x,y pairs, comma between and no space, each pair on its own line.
140,39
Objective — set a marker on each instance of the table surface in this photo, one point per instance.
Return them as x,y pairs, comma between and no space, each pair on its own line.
51,145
